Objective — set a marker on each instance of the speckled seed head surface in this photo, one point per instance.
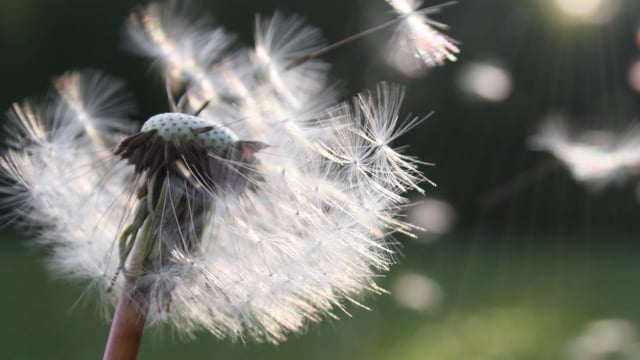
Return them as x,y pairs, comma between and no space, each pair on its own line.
188,127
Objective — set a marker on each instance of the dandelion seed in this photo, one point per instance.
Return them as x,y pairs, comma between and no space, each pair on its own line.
258,204
278,40
184,45
416,42
597,160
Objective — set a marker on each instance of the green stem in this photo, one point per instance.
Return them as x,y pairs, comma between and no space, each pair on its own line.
127,328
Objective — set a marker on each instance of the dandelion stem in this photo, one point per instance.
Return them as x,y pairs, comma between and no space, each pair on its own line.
127,328
130,315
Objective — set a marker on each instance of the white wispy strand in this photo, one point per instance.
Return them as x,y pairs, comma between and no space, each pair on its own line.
416,41
597,160
183,43
365,152
279,40
308,233
95,101
58,173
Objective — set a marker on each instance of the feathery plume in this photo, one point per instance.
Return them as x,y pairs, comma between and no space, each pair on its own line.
416,41
597,160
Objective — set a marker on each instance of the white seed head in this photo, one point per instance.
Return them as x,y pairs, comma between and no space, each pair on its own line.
187,127
241,242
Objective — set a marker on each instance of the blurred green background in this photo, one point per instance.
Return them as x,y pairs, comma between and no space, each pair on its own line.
536,266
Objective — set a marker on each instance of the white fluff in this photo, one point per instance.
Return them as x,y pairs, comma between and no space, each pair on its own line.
597,160
417,42
312,233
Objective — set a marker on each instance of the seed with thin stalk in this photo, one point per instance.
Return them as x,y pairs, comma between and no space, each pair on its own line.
417,41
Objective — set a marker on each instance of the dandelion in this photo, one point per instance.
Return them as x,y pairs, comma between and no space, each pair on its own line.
595,158
257,204
416,41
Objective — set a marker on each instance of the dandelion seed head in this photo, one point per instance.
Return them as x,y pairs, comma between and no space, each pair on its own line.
273,207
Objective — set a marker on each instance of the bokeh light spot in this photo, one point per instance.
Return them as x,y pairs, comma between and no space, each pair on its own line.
634,76
606,339
437,217
591,11
485,81
416,292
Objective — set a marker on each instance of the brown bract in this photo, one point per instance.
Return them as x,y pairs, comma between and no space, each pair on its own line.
232,168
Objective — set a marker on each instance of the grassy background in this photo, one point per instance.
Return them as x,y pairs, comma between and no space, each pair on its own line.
503,300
